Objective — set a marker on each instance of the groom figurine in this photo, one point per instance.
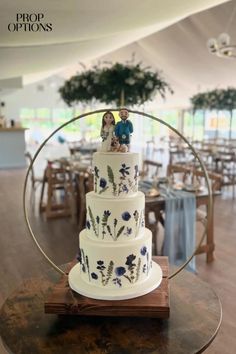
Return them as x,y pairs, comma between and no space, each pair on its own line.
124,128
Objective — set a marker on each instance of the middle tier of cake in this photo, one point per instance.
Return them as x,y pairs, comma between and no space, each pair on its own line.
118,219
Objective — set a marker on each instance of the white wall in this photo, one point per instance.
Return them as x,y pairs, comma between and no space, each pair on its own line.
43,94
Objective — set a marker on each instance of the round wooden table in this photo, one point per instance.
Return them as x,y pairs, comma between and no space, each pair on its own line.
195,317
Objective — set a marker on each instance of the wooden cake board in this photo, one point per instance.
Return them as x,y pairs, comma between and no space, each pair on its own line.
64,301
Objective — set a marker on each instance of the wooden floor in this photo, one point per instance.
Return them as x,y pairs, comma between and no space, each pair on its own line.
20,258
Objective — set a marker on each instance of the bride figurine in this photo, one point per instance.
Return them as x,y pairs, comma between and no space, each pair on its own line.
108,127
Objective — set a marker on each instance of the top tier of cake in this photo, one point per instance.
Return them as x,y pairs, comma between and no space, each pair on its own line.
115,174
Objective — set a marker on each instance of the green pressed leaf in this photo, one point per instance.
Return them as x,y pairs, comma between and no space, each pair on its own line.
138,270
87,264
109,230
110,174
111,178
103,190
109,272
83,256
92,221
120,231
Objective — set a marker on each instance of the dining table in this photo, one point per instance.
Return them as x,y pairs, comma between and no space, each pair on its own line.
156,203
88,148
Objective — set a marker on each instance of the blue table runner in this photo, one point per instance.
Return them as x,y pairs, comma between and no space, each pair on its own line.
180,217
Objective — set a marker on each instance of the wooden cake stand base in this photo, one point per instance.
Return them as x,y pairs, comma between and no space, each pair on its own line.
64,301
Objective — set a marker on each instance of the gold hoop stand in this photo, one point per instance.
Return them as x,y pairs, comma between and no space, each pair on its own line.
210,201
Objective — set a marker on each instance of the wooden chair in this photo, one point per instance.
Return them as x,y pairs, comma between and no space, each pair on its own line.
35,180
153,150
76,149
198,177
227,169
189,174
60,191
84,184
177,173
216,185
150,169
193,176
215,179
153,216
177,156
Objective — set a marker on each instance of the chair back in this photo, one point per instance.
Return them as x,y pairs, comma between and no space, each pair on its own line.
84,181
29,161
178,173
60,191
215,179
192,175
74,148
150,169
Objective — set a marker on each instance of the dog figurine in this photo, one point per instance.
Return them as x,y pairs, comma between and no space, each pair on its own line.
123,148
116,147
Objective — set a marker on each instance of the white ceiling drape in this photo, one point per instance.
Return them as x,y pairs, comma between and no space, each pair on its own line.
84,30
180,52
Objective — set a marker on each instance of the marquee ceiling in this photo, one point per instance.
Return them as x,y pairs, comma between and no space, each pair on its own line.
180,52
85,30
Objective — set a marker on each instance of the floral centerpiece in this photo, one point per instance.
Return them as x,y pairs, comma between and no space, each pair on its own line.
119,84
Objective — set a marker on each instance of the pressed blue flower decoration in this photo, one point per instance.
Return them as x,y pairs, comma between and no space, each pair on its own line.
103,183
117,281
124,170
125,188
94,276
96,170
128,231
100,265
88,225
107,213
79,256
126,216
130,259
120,271
143,250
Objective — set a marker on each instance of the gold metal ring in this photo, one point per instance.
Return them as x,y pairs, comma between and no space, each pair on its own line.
210,200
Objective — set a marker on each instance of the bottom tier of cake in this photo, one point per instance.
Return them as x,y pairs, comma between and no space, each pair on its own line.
112,271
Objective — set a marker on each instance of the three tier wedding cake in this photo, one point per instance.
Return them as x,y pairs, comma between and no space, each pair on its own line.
115,249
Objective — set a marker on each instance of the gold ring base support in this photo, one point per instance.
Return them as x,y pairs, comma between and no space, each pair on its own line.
210,201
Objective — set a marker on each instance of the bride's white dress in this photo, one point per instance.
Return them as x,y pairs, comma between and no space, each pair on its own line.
107,134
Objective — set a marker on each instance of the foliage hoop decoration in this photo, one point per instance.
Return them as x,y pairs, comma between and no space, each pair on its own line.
119,84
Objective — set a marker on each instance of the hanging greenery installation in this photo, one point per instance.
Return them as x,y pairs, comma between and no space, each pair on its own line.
219,99
119,84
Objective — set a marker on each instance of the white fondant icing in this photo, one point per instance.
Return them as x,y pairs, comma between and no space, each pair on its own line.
115,254
90,290
118,219
115,266
115,174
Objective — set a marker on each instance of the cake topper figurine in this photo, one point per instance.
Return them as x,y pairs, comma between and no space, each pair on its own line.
107,130
124,128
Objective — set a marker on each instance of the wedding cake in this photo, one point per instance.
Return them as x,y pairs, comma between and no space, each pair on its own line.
115,249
